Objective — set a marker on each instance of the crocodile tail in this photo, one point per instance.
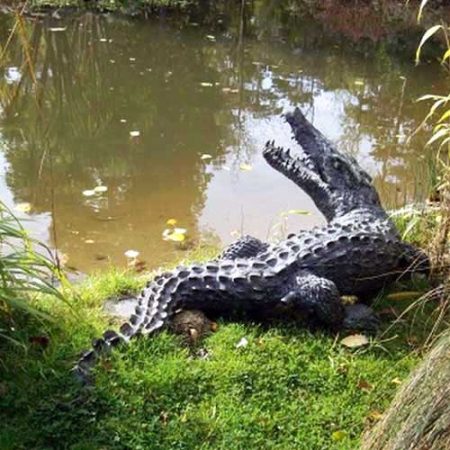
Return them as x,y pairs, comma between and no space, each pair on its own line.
194,286
153,310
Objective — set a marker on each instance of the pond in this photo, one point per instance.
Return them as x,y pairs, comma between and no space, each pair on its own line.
167,120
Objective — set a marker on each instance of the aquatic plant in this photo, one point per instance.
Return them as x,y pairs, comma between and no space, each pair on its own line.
25,272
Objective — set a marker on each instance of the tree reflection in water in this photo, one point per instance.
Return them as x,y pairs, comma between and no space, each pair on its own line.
189,92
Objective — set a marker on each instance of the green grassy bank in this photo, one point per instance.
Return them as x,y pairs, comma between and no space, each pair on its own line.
287,388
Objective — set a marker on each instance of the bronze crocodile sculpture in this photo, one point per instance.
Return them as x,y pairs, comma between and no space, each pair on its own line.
356,253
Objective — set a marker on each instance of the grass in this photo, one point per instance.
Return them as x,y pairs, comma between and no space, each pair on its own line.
288,388
110,5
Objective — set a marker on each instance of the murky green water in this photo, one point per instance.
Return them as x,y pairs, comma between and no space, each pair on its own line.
203,103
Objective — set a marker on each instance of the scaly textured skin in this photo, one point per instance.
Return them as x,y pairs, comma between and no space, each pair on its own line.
356,253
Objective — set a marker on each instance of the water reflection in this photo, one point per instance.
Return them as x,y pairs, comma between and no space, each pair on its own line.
188,93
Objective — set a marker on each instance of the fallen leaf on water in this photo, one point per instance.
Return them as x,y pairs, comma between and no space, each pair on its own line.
171,222
245,167
23,207
355,340
338,435
89,193
123,120
99,189
300,212
131,254
242,343
407,295
205,156
206,84
135,133
210,37
56,29
89,241
175,235
359,82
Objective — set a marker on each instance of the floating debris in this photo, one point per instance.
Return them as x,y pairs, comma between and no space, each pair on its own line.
174,234
24,207
245,167
132,254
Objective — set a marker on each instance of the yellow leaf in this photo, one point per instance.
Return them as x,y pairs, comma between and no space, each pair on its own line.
175,235
446,115
171,222
355,341
23,207
300,212
349,299
407,295
338,435
396,381
375,415
245,167
100,189
205,156
446,55
427,35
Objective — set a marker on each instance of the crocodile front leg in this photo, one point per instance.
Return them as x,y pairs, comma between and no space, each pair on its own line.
317,299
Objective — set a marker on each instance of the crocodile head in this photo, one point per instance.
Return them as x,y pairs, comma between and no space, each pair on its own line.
360,318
